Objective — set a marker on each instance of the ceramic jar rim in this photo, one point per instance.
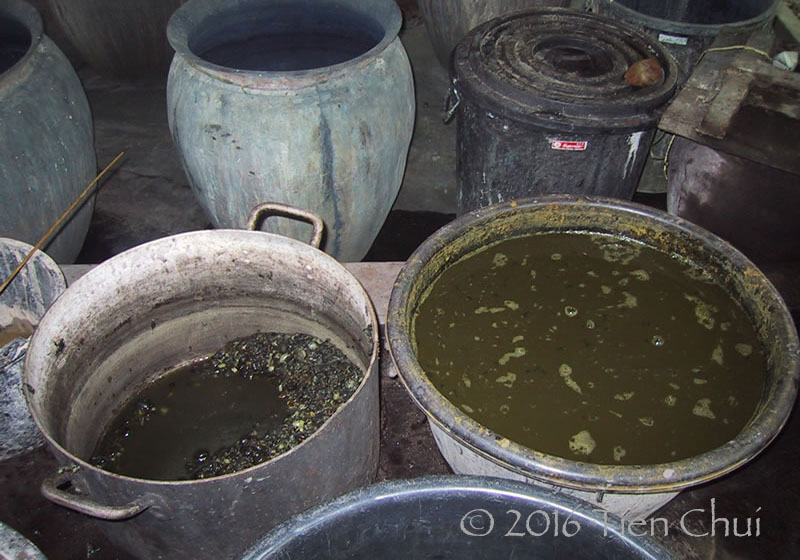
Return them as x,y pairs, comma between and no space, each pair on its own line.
26,15
195,13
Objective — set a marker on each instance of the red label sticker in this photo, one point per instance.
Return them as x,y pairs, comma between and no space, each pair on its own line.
569,146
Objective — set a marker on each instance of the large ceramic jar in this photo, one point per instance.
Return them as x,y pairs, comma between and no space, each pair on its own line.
308,103
122,39
448,21
46,142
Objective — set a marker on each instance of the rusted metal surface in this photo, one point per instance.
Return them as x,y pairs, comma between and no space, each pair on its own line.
540,92
177,299
657,229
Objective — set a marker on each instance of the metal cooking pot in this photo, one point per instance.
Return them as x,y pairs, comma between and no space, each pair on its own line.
177,299
636,490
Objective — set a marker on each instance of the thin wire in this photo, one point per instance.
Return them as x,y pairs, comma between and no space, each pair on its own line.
59,222
666,157
655,143
733,48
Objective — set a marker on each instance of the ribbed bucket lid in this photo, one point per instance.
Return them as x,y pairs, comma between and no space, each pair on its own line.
563,70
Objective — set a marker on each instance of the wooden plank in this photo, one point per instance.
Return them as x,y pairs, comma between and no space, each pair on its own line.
726,104
776,90
688,107
762,126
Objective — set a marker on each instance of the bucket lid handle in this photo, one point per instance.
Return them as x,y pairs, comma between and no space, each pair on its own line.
451,103
262,211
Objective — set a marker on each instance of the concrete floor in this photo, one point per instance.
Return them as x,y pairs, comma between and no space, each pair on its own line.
148,197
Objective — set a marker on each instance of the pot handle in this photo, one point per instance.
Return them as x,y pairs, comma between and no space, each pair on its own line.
276,209
51,491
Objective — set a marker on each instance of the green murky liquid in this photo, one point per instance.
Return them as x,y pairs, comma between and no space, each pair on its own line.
160,431
592,348
254,399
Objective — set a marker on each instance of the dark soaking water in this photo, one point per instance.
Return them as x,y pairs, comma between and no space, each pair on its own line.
288,52
253,400
15,40
591,348
286,38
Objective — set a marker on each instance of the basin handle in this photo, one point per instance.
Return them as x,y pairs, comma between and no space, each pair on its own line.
277,209
51,491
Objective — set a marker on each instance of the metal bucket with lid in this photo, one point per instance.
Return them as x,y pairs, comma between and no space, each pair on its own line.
543,106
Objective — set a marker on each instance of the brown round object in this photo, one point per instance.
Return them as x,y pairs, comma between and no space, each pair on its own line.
644,73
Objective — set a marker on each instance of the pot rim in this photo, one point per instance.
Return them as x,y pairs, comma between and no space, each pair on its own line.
87,282
195,12
769,418
25,14
482,489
